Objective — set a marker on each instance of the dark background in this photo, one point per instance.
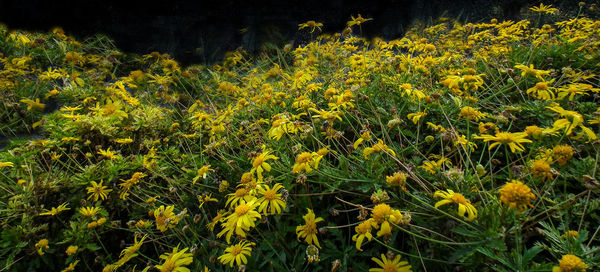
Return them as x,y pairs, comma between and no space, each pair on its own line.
201,31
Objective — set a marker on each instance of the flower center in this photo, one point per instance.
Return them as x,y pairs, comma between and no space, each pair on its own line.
390,267
241,209
310,228
241,192
458,198
270,195
541,85
236,250
504,138
304,158
258,161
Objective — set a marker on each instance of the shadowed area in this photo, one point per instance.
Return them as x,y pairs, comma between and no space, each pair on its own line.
201,31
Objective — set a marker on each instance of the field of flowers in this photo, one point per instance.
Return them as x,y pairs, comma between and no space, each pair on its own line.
459,147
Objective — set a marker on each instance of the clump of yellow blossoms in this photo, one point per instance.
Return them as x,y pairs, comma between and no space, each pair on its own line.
383,217
562,154
541,169
570,263
306,161
71,250
516,195
41,245
398,179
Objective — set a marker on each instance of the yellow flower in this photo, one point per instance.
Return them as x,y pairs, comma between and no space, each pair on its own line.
390,265
541,90
281,125
308,231
55,210
541,169
462,140
206,198
240,221
530,71
570,234
126,184
71,250
534,132
571,120
142,224
382,216
305,160
216,219
165,218
312,25
513,140
97,190
365,136
575,89
398,179
378,147
436,128
433,166
202,173
363,230
259,164
270,201
562,153
130,250
408,90
36,105
464,205
471,114
71,267
516,195
126,254
41,245
329,116
124,141
358,20
237,253
89,211
6,164
570,263
175,261
544,9
416,117
108,154
101,221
